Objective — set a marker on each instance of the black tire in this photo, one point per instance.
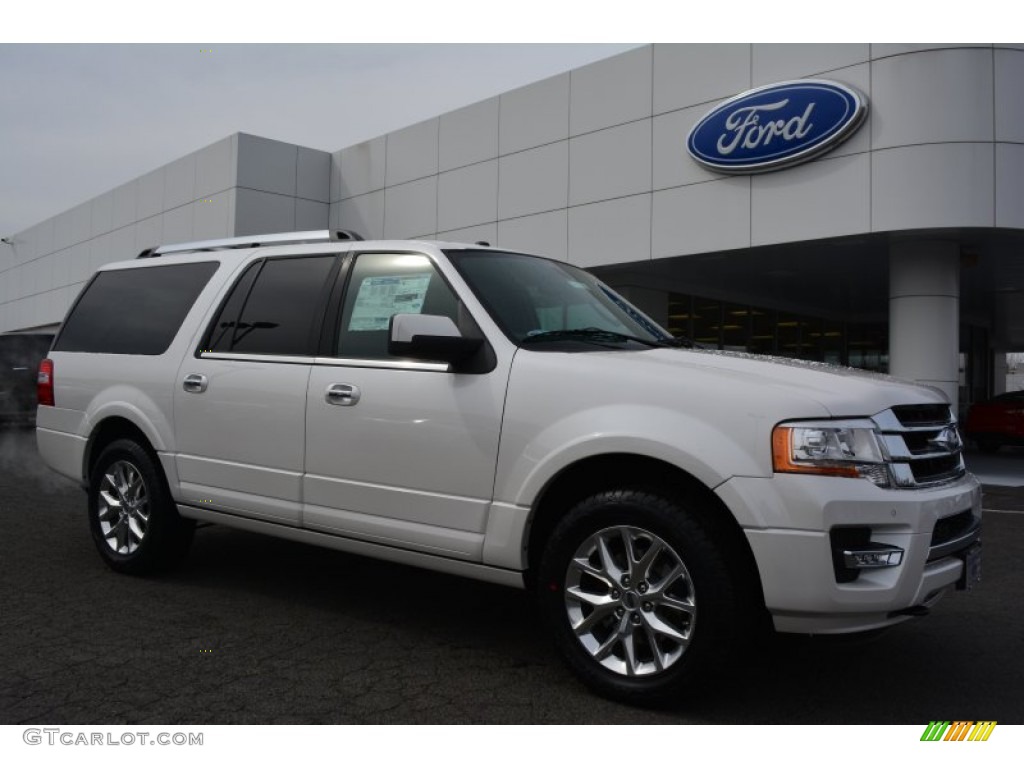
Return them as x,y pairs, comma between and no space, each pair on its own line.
706,636
133,520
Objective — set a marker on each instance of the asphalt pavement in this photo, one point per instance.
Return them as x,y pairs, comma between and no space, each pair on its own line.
258,630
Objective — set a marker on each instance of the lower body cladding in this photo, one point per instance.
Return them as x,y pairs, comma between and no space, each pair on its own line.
471,570
840,555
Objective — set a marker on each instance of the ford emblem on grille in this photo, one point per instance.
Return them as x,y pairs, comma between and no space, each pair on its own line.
947,440
776,126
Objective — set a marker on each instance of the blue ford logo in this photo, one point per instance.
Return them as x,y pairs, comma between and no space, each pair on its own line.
776,126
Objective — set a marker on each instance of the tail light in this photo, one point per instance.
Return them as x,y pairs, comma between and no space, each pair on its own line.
44,382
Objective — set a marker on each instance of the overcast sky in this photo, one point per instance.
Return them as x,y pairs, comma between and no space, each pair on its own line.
77,120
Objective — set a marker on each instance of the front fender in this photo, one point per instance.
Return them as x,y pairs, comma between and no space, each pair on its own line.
530,458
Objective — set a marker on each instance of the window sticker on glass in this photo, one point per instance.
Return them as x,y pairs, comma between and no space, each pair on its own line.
381,297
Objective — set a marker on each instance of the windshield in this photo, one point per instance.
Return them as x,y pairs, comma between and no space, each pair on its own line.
535,299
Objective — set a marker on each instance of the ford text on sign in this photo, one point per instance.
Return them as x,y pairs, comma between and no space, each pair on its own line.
776,126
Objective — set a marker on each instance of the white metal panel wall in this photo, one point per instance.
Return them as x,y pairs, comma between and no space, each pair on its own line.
412,153
615,130
1009,129
363,214
468,135
534,115
610,92
565,160
240,185
774,62
358,170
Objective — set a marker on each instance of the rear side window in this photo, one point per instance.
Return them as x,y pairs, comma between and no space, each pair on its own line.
274,308
133,311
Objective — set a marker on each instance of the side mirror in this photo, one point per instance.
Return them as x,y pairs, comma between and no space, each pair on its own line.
433,338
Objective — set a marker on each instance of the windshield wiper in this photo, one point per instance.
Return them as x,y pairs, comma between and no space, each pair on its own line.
598,335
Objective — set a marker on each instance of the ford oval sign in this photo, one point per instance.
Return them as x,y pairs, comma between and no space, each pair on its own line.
776,126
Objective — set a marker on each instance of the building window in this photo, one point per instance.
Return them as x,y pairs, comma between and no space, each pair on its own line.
763,331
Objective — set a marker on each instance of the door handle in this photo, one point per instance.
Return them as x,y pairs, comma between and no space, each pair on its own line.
195,382
342,394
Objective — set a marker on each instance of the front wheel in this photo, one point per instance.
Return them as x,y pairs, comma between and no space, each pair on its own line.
134,522
638,595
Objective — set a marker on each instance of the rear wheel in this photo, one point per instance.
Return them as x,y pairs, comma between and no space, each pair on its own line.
638,595
134,522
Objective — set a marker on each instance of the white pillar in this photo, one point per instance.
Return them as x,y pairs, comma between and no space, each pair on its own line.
924,314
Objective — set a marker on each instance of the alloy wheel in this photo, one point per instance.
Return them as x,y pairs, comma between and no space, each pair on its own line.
630,601
123,508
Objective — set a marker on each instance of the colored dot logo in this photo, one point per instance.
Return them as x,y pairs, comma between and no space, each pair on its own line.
958,730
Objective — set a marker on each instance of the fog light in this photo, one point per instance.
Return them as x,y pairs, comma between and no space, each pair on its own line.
873,555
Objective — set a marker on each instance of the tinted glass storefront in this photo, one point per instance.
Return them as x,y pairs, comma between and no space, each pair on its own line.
746,328
865,345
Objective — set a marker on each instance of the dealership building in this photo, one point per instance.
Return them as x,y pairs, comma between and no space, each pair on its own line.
710,184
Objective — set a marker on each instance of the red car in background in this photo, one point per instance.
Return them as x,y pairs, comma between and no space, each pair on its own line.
997,422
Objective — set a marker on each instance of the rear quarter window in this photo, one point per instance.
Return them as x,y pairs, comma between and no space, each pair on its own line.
133,311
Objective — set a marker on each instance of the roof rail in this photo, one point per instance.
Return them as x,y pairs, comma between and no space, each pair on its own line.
254,241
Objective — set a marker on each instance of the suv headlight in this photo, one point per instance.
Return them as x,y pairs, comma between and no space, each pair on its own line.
847,448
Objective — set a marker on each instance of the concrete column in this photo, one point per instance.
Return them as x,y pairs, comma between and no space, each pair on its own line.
924,314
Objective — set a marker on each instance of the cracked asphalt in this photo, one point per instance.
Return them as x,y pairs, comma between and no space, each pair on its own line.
257,630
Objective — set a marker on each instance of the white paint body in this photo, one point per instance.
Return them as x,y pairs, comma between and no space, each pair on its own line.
444,469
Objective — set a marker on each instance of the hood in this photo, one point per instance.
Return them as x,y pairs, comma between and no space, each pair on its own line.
842,392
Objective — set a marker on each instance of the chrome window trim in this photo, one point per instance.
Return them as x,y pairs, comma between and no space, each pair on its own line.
400,365
240,357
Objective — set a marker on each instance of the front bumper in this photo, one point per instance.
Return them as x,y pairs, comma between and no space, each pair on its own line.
788,519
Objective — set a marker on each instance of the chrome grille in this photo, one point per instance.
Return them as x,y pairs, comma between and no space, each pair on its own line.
932,415
923,445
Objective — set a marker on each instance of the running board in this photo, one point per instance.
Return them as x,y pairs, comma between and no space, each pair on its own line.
476,571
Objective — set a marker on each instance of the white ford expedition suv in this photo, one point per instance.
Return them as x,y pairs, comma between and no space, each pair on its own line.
509,418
